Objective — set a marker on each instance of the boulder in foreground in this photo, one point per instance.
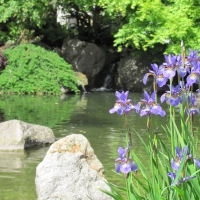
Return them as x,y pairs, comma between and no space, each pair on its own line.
71,170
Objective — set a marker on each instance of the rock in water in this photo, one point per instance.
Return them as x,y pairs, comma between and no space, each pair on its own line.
71,171
16,134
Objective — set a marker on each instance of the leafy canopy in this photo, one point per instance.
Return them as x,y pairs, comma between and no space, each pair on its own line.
153,21
32,69
21,18
145,23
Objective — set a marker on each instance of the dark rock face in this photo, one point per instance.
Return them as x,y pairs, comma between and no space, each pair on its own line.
85,57
124,71
3,62
130,75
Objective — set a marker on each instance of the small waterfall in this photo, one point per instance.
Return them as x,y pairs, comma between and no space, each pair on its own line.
83,87
107,82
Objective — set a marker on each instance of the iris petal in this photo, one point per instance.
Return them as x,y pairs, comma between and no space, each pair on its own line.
133,166
154,67
121,152
178,152
125,168
192,78
175,165
172,175
117,167
169,73
161,80
196,161
162,98
145,78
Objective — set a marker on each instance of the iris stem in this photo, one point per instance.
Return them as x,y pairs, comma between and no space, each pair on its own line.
148,123
170,120
125,120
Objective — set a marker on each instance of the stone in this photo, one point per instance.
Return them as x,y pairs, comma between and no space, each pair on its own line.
84,57
71,170
131,73
16,134
82,78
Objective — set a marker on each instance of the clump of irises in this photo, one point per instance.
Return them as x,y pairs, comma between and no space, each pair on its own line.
180,98
176,163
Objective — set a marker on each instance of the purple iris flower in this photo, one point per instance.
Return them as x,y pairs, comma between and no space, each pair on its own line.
122,105
177,162
182,68
192,56
175,98
192,108
195,74
179,155
184,91
172,175
157,73
123,164
169,67
151,107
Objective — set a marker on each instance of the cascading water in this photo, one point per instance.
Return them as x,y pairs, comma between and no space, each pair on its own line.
107,83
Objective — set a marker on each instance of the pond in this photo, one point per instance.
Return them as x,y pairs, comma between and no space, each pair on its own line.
86,114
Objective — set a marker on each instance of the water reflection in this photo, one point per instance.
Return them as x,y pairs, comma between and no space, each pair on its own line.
17,173
43,110
11,161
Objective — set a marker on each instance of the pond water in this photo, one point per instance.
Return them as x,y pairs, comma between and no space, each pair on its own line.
86,114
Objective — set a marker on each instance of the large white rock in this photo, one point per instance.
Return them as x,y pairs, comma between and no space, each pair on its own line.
70,171
15,134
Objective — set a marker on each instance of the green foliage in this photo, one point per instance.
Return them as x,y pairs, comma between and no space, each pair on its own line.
32,69
93,24
30,20
24,10
52,33
137,24
24,14
36,16
156,22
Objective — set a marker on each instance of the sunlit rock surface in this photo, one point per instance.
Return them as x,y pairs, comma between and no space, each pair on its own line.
16,134
71,170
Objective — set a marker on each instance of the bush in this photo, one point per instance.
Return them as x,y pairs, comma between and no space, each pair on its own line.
32,69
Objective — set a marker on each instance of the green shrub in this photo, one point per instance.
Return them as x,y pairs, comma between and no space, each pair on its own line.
32,69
